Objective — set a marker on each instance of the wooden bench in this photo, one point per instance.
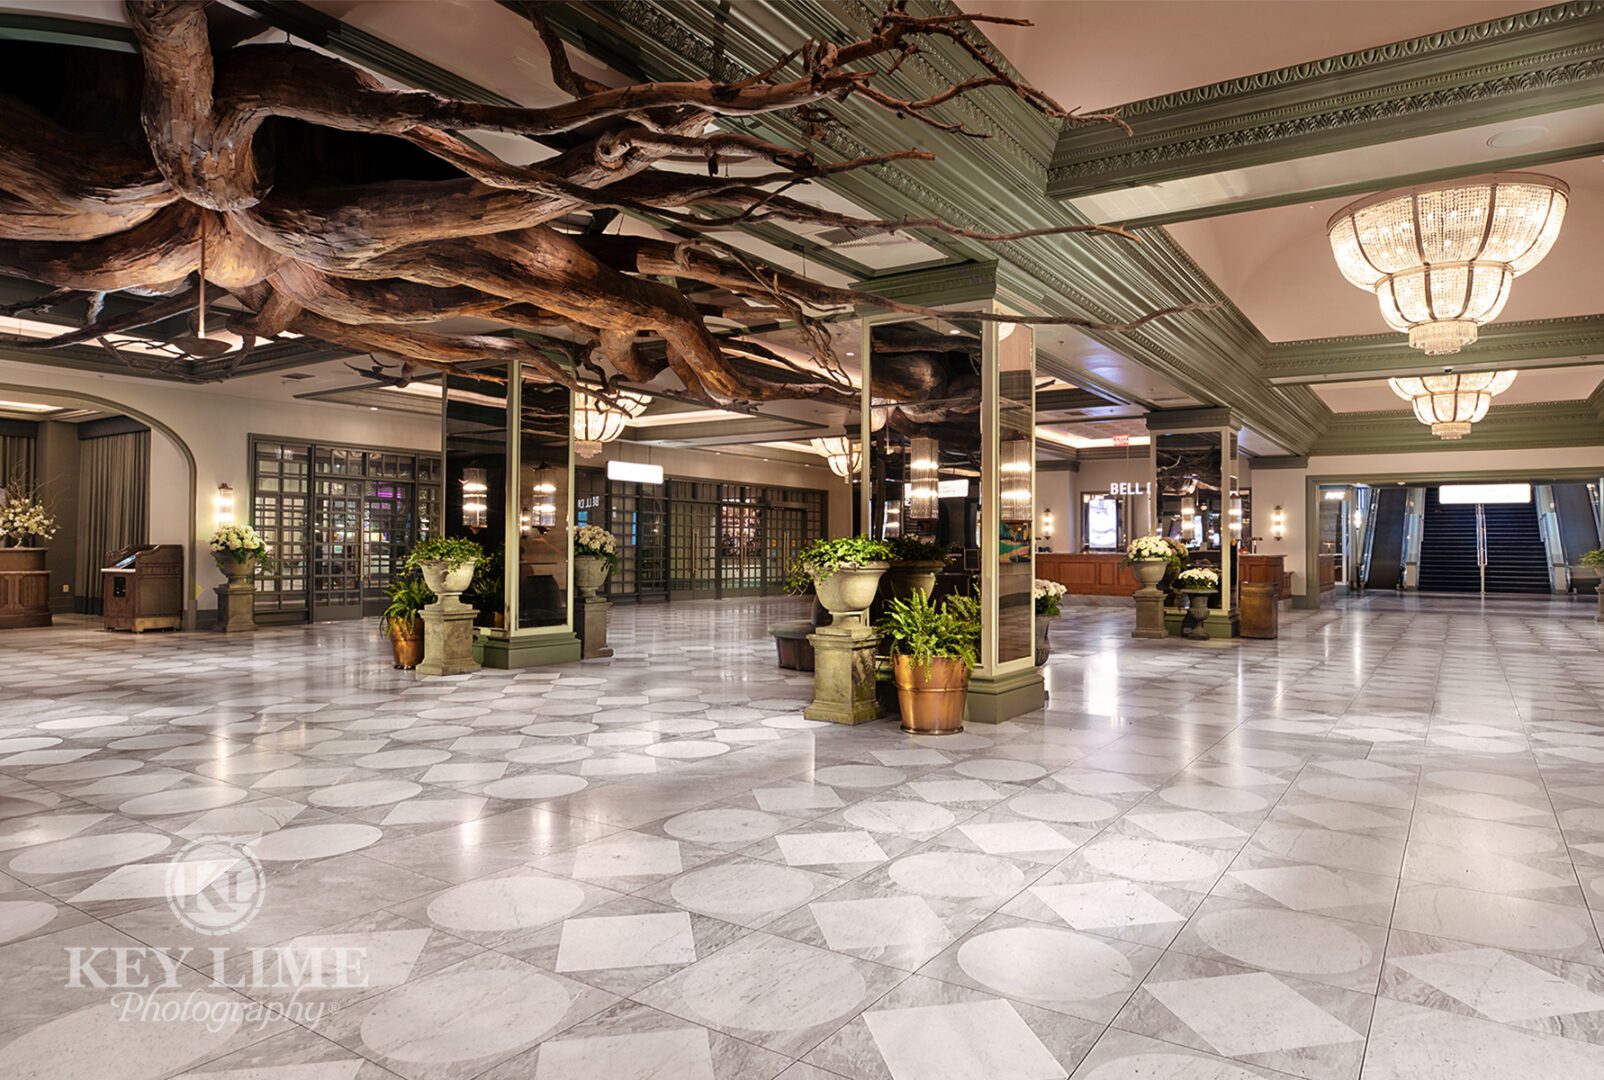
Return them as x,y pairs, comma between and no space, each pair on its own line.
792,645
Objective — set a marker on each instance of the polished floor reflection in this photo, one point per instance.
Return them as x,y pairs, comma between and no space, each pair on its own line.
1372,848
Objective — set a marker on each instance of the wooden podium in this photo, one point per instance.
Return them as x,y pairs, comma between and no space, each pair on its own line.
24,588
142,588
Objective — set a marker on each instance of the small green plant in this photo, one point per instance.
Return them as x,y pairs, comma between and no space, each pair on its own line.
1594,558
451,550
408,596
906,549
820,559
488,590
923,631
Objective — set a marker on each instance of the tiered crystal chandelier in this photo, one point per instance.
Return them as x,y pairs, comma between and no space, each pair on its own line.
840,453
598,421
1441,257
1451,402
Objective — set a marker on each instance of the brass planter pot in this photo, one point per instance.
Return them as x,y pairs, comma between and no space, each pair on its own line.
933,706
406,642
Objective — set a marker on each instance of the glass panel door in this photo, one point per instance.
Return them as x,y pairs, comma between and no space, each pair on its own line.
387,533
280,500
337,542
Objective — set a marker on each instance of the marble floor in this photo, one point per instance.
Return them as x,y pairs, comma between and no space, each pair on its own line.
1374,847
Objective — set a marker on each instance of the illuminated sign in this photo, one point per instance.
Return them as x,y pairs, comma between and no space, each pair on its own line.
1128,488
635,472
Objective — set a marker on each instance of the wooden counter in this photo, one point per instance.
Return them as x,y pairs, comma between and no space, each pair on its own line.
1268,570
1328,572
1087,573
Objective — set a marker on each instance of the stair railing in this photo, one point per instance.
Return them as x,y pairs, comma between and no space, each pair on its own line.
1481,545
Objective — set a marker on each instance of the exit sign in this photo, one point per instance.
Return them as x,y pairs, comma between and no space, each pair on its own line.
1122,440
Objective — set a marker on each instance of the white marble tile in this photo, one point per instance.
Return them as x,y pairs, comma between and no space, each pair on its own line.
625,941
1253,1013
1500,986
979,1039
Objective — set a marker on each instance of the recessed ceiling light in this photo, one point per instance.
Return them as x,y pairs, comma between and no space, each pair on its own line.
1516,137
28,406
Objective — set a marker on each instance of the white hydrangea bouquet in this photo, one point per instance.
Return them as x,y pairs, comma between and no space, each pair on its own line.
239,542
1148,547
1199,578
23,516
597,542
1048,596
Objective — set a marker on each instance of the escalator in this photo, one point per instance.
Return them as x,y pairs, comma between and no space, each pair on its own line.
1384,563
1578,531
1517,560
1448,560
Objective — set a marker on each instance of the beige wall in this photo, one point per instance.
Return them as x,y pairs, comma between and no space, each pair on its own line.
739,468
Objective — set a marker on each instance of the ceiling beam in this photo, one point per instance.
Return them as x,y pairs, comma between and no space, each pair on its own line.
1535,426
1536,62
1540,343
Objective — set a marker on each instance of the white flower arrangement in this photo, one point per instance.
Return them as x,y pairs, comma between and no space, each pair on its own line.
22,516
1048,595
597,542
240,542
1148,547
1198,577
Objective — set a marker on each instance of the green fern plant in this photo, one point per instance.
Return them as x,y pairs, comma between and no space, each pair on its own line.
408,596
923,631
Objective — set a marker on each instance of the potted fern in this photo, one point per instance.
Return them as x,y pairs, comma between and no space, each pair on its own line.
933,646
914,565
845,574
1595,559
408,597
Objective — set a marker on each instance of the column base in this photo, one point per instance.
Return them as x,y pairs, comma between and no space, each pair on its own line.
843,675
447,639
1149,614
236,606
527,651
995,698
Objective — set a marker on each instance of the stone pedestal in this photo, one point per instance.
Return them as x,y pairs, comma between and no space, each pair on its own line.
592,614
843,675
236,606
447,637
1149,614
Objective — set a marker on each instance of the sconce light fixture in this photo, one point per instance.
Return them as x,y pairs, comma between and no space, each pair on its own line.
225,505
543,513
924,469
1278,524
475,498
1046,524
1015,480
1190,525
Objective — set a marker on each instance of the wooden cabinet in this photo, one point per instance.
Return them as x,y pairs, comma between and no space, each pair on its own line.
143,588
24,588
1267,570
1088,573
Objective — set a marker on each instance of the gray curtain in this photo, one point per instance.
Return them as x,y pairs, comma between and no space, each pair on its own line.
17,460
113,506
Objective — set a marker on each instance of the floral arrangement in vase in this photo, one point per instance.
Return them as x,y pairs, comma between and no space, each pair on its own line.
240,543
1197,579
1049,595
22,516
1151,547
598,543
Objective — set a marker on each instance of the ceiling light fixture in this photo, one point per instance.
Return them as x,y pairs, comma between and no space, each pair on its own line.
1451,402
1441,257
598,421
840,453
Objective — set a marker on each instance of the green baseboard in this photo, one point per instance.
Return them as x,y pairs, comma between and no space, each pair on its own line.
1219,624
993,699
521,652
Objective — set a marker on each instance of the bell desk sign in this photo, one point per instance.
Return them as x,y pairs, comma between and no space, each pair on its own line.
1130,488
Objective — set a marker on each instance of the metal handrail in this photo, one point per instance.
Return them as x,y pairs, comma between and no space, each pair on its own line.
1481,544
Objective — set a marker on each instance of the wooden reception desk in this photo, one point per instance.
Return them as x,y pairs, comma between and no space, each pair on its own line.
1268,570
1087,573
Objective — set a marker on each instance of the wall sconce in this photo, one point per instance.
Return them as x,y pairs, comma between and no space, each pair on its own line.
1046,524
475,498
1015,480
1190,525
1278,524
924,469
225,505
1236,517
543,514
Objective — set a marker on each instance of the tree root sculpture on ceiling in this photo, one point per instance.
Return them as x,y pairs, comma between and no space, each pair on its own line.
330,206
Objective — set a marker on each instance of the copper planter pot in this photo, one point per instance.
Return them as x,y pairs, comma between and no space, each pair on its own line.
933,705
407,643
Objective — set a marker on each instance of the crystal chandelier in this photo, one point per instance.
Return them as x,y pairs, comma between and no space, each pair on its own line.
840,453
598,421
1441,257
924,486
1451,402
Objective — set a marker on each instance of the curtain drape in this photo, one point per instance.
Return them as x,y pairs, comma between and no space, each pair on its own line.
113,506
17,461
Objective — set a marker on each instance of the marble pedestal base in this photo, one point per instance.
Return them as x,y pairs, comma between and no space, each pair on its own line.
447,638
1149,614
236,606
593,626
843,675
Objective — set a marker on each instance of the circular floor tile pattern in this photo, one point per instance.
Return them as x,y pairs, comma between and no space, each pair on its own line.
1001,769
101,1043
580,680
1257,758
1483,783
794,722
1287,941
680,725
1207,797
159,742
544,786
182,801
506,903
28,742
1511,922
82,853
660,692
1173,1066
962,740
1500,837
1370,792
453,712
548,754
900,817
724,825
858,776
957,874
417,758
382,723
289,739
464,1015
567,708
1054,806
734,714
19,918
674,707
364,793
17,805
688,749
81,723
779,986
85,770
432,732
559,728
1583,818
1148,860
313,842
742,889
1037,963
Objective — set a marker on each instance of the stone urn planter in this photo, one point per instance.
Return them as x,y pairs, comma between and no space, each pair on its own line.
847,593
1149,572
236,600
904,578
1043,649
1197,613
445,582
235,568
931,698
448,622
590,574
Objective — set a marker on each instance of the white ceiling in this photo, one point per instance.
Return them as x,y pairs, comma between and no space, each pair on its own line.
1547,384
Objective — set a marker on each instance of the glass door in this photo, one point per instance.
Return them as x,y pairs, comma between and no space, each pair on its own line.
337,542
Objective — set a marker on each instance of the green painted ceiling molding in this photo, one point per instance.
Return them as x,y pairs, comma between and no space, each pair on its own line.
1538,343
1522,65
1532,426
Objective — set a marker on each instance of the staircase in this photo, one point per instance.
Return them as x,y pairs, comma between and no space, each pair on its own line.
1517,561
